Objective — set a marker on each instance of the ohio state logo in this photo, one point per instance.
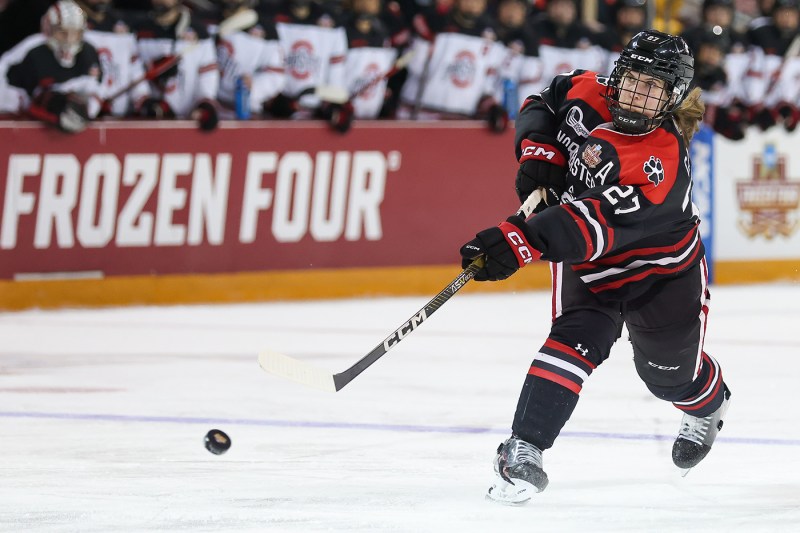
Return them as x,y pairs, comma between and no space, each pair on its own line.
301,61
110,69
462,69
370,73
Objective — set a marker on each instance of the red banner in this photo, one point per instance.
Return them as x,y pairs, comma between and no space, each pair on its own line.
163,198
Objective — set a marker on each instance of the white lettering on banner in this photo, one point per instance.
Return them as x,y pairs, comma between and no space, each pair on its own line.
292,197
135,227
17,202
183,199
209,201
171,199
327,223
300,208
96,230
58,195
256,198
367,184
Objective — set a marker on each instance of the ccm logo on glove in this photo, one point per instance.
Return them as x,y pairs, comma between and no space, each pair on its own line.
541,152
522,249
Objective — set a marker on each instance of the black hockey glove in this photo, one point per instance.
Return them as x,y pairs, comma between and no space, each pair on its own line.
542,166
339,116
156,108
206,116
729,122
495,115
762,117
505,247
497,119
68,112
281,106
787,114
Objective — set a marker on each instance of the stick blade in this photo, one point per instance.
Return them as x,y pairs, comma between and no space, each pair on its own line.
298,371
239,21
332,93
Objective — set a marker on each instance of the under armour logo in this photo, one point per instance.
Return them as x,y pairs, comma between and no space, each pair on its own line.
583,351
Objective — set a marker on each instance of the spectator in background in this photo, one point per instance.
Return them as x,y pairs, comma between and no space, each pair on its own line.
724,113
764,15
564,42
58,73
252,58
718,19
454,72
182,65
775,67
630,17
315,55
521,64
119,57
370,55
776,35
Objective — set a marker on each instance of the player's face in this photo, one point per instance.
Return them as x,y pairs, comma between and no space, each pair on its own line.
367,7
474,8
67,36
642,93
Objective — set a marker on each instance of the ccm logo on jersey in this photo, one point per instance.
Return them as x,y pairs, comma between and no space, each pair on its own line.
541,152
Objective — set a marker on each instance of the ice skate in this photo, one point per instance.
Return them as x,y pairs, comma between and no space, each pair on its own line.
697,435
518,466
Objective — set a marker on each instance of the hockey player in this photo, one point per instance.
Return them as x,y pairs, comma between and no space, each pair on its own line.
188,86
253,57
624,247
454,72
521,64
564,42
119,58
315,55
369,56
57,77
772,88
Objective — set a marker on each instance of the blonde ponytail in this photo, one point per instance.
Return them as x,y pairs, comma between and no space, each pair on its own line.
689,114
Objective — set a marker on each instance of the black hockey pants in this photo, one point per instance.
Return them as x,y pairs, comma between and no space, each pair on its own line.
666,325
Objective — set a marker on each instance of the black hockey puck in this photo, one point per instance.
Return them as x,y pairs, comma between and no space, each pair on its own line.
217,442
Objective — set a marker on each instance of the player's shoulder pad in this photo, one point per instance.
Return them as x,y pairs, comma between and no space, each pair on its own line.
650,161
589,87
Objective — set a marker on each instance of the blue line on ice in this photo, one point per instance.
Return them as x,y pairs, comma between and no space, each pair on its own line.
369,427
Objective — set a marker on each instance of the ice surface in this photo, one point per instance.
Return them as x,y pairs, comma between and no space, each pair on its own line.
104,412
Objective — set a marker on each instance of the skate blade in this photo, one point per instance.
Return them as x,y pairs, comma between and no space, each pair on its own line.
505,493
685,471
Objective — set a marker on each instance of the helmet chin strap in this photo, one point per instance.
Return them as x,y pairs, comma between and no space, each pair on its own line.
633,122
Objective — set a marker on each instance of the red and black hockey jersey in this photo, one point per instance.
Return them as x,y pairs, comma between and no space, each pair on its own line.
626,219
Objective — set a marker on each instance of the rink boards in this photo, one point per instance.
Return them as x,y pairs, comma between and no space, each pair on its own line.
136,212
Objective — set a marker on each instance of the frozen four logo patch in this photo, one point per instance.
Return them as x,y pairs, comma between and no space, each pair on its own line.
591,155
654,170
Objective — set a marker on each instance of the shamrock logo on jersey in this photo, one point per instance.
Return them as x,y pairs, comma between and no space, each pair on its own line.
654,170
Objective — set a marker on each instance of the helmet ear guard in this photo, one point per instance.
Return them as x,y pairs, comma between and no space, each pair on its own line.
658,55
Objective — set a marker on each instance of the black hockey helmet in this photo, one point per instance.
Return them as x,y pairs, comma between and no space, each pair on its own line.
657,55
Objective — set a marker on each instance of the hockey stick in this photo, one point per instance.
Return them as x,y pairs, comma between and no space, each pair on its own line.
238,21
339,95
318,378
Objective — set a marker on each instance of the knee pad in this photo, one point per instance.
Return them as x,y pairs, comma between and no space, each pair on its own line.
589,333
